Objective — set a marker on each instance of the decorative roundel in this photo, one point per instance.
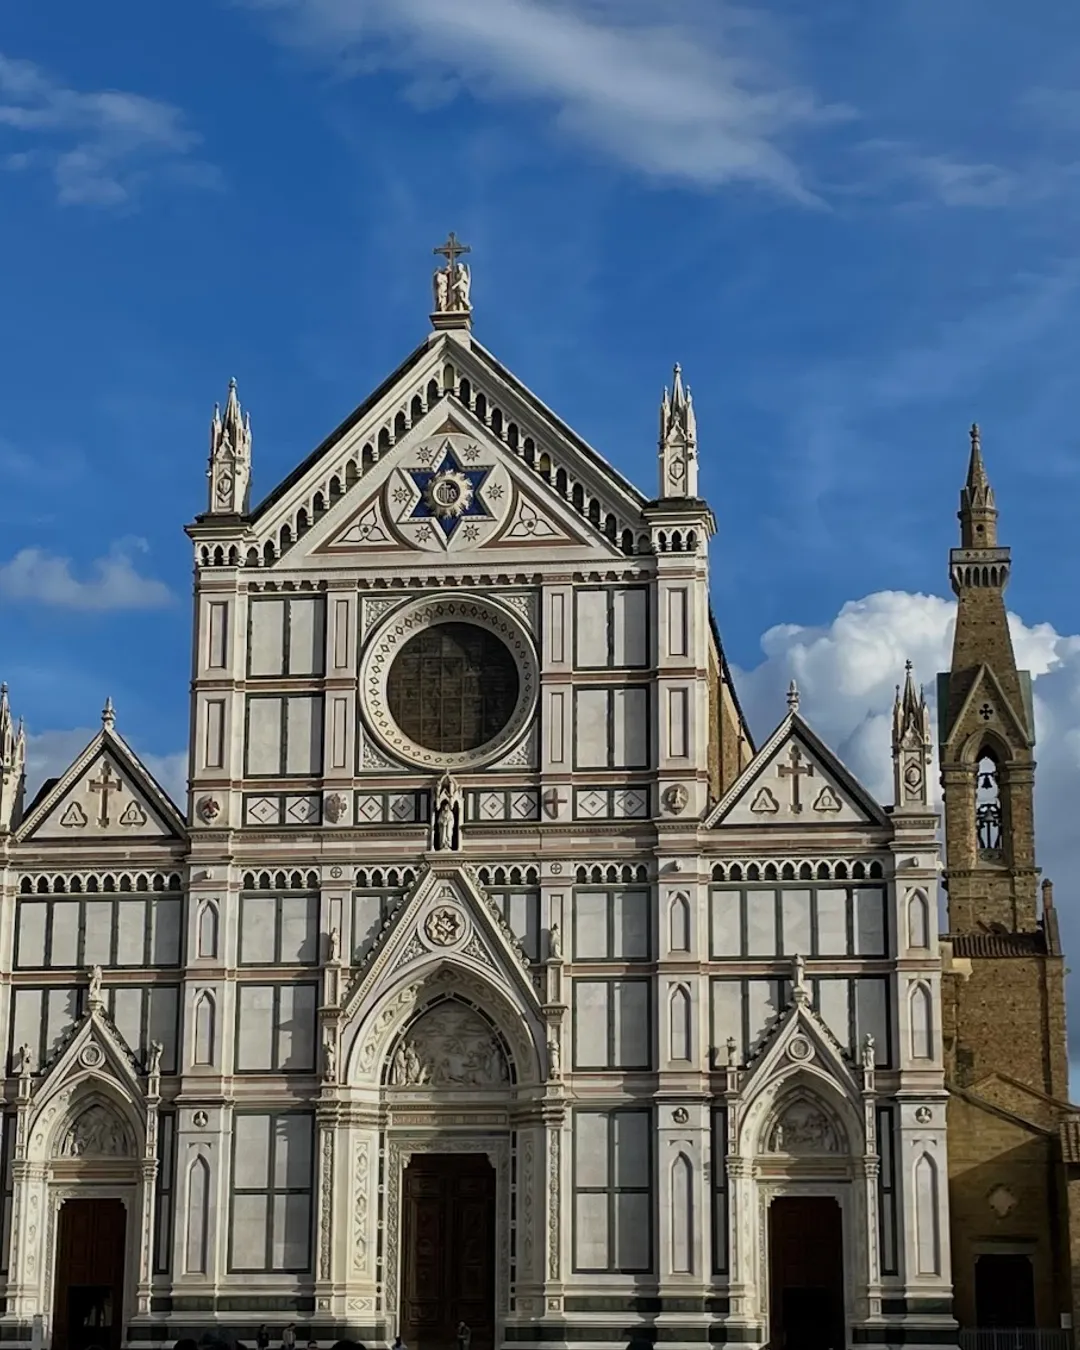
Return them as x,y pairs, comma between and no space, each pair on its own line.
92,1056
800,1050
444,926
449,682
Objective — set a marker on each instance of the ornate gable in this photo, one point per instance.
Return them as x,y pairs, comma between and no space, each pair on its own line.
106,795
448,918
795,780
986,709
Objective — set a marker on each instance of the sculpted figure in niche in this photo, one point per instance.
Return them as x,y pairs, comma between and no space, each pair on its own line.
94,991
803,1128
96,1134
450,1046
447,814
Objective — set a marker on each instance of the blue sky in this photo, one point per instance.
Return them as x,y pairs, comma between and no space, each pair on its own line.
854,226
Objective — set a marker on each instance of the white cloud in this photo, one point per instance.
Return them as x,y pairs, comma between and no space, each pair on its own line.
918,178
99,147
50,753
847,672
688,99
43,578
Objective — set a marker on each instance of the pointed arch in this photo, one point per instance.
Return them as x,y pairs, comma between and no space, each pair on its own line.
206,938
918,920
679,1023
921,1021
682,1215
927,1219
111,1124
205,1020
679,923
196,1244
450,1042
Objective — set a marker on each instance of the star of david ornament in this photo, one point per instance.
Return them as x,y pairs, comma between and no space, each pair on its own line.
449,492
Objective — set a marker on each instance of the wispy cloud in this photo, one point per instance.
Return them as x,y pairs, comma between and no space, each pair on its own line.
915,178
39,577
99,147
699,101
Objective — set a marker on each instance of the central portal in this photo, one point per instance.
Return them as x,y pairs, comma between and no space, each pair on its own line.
806,1274
448,1250
88,1310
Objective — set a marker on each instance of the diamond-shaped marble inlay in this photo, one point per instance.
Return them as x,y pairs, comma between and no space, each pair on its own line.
403,807
630,803
264,810
491,806
300,810
523,806
369,808
592,803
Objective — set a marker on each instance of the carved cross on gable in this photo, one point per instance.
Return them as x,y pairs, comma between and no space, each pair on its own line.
796,768
105,785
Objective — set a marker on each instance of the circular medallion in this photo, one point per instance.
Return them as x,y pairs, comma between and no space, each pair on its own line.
800,1050
443,927
200,1120
680,1115
92,1056
448,494
923,1115
449,683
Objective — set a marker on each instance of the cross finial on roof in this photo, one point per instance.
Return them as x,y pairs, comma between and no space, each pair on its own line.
793,697
108,715
452,286
452,250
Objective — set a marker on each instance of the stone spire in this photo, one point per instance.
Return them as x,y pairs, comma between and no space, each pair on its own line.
912,746
678,442
12,764
108,715
793,698
978,514
230,458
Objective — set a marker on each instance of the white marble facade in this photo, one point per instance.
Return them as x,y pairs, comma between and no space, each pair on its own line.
660,979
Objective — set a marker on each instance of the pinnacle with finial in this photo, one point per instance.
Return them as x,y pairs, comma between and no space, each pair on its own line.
793,697
108,715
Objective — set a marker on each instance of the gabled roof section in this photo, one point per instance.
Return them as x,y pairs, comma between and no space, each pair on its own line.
795,779
799,1036
448,917
94,1042
106,795
987,688
455,375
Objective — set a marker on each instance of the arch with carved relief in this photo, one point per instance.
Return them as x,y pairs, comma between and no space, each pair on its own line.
96,1106
374,1035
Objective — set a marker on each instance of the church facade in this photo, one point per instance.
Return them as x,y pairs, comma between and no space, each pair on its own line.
491,972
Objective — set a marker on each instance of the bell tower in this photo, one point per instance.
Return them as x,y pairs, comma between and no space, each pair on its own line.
986,734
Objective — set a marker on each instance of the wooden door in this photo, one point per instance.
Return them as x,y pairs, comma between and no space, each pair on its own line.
448,1251
806,1274
88,1310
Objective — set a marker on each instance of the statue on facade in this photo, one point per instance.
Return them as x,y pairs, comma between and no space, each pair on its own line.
333,947
329,1061
554,1058
26,1061
554,943
156,1051
453,282
93,993
447,832
868,1051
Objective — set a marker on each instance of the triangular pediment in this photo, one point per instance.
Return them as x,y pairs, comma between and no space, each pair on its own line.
92,1045
987,709
448,918
798,1038
452,455
796,780
106,795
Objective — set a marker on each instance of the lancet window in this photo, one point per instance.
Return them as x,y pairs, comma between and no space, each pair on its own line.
988,807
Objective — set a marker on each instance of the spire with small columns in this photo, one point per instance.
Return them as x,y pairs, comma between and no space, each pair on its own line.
12,764
912,745
230,458
678,441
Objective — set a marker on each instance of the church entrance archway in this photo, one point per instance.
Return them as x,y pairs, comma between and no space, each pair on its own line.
806,1273
88,1305
448,1250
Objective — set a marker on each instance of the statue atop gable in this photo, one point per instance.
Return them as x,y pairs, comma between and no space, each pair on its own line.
453,284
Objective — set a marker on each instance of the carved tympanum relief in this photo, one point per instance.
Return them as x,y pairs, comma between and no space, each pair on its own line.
97,1133
449,1046
803,1128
